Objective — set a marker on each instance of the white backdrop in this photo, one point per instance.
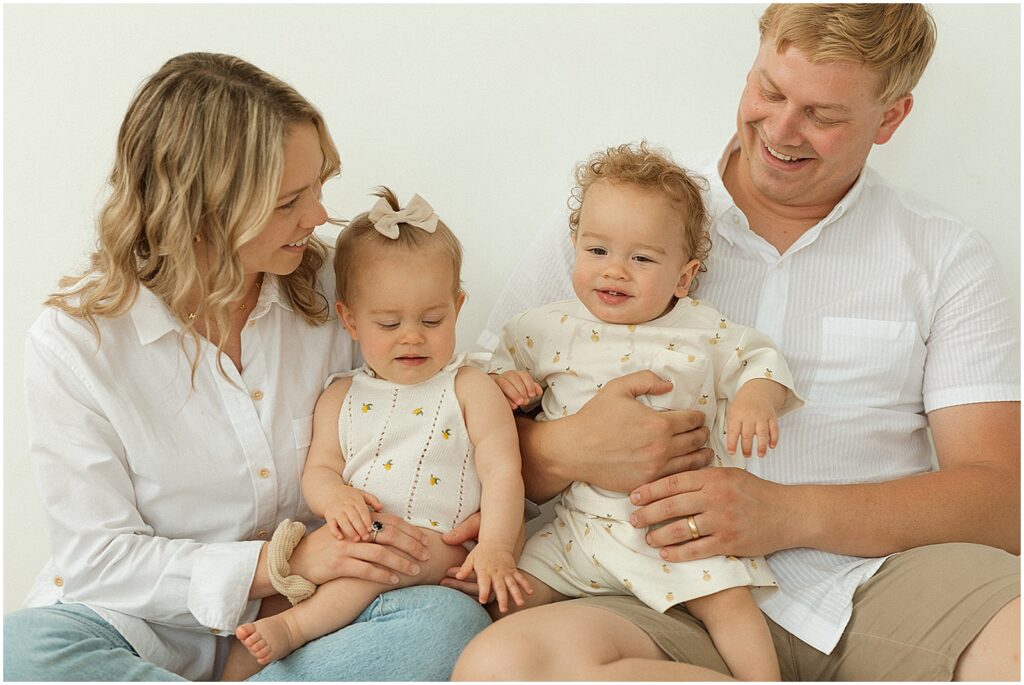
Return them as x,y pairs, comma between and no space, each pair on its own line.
482,109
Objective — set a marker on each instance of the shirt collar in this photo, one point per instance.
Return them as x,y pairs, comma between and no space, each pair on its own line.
722,205
153,318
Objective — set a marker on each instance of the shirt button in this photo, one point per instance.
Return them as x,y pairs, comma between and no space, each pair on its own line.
257,395
214,631
264,473
58,581
251,323
261,534
735,219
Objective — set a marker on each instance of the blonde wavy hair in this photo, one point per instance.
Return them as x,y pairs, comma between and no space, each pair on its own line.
359,236
653,169
895,41
200,155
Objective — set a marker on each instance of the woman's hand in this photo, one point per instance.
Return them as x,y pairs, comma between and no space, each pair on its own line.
321,557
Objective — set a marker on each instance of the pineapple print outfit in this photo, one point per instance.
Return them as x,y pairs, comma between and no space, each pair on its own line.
408,445
590,548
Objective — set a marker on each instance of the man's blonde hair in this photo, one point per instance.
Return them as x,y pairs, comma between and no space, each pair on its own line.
653,169
200,155
895,41
360,236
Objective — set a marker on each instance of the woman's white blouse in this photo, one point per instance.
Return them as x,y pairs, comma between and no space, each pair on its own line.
159,494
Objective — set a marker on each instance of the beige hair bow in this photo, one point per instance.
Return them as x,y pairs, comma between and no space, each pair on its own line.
417,213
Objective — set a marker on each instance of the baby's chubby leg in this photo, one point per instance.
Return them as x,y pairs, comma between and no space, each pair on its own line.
739,631
336,604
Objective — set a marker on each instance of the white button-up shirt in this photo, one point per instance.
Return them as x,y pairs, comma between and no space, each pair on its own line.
885,310
159,495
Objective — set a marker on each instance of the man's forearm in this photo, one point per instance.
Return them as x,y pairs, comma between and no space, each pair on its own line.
541,475
977,503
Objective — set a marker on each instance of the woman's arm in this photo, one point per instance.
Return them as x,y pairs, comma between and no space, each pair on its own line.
110,555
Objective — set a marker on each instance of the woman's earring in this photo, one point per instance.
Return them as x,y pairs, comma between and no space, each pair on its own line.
196,239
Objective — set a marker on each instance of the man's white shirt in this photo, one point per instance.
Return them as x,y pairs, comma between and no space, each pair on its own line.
885,310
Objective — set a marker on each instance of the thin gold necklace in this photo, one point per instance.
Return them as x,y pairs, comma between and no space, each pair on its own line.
242,307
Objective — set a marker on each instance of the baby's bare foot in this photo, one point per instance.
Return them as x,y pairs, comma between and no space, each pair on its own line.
268,639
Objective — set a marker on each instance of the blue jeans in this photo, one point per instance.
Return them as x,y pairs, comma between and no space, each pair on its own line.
70,642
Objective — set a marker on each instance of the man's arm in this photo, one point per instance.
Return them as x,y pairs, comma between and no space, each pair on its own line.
974,497
613,442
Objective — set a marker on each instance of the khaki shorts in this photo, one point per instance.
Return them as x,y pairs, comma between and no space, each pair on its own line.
952,591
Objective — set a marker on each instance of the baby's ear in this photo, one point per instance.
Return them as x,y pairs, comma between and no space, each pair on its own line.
686,277
460,299
347,320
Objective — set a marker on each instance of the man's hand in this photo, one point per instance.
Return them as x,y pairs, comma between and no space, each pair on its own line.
736,513
614,441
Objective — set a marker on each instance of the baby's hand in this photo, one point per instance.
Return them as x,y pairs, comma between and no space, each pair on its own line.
519,387
752,413
495,569
348,516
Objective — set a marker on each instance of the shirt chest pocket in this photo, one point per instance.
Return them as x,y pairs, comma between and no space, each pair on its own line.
864,361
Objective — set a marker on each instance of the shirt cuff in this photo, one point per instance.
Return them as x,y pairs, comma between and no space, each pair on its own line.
218,593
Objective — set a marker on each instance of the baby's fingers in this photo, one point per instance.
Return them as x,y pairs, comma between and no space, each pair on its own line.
773,433
748,431
510,391
348,529
516,585
332,525
733,432
522,582
465,570
500,593
373,503
484,581
762,438
361,521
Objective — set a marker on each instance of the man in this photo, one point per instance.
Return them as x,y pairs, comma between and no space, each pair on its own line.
890,318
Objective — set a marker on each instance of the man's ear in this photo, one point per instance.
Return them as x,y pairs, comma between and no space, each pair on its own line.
892,117
347,320
686,277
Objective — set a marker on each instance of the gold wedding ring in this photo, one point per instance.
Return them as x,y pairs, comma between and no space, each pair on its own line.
694,530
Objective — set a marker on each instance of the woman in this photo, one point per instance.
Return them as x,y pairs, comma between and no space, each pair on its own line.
170,393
